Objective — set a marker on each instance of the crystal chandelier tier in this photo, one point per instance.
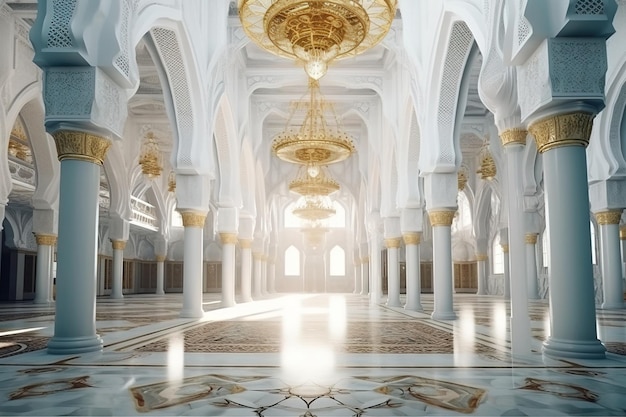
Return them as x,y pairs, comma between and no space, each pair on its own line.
314,208
315,142
316,32
313,180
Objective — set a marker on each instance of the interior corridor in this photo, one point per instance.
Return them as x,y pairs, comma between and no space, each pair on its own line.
303,355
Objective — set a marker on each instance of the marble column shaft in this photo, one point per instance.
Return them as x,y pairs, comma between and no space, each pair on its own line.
228,240
531,266
192,264
376,290
246,269
393,272
443,285
481,271
117,291
507,272
611,262
365,275
45,249
160,275
257,281
413,284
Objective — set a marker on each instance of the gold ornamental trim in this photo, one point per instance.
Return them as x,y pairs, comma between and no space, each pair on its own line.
118,244
365,259
46,240
481,257
258,256
571,129
193,219
245,243
505,247
609,217
159,258
530,238
82,146
514,136
411,238
228,238
441,217
392,243
622,233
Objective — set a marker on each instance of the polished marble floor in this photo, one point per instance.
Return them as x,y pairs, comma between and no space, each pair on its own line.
304,355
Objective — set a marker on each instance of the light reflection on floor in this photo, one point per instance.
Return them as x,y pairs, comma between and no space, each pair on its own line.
309,355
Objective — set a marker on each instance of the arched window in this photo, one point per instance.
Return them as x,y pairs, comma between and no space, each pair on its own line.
177,219
544,249
337,262
292,262
289,219
594,258
463,217
498,256
339,219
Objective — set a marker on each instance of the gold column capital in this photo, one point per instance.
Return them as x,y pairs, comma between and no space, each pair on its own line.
530,238
193,219
45,240
82,146
608,217
159,258
228,238
258,256
570,129
481,256
514,136
505,247
411,238
622,233
118,244
365,259
245,243
392,243
441,217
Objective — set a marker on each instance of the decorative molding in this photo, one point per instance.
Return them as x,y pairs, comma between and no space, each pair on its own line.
577,66
481,257
514,136
441,217
193,219
69,92
228,238
59,32
72,144
411,238
392,243
46,240
530,238
245,243
608,217
159,258
118,244
572,129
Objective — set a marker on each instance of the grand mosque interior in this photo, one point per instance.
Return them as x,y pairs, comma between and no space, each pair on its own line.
313,207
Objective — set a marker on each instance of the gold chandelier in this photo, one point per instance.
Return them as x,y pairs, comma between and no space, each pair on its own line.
462,178
313,180
150,159
487,168
315,32
314,208
314,142
171,182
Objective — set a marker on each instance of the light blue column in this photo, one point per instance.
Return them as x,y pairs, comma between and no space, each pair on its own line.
45,245
611,260
118,269
531,265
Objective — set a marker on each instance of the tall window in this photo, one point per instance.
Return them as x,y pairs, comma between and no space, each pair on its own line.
544,248
337,262
594,259
463,217
498,256
177,219
292,262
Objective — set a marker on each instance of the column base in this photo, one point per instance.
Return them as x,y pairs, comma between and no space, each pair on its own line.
160,293
555,348
116,296
226,304
394,303
247,300
612,306
189,314
72,345
443,315
417,308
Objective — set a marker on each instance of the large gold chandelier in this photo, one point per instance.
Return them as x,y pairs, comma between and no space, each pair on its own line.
314,208
315,32
313,180
150,159
315,142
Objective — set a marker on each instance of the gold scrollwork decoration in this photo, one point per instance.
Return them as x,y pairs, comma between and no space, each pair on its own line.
441,217
571,129
46,240
411,238
118,244
245,243
193,219
393,242
530,238
228,238
609,217
159,258
514,136
82,146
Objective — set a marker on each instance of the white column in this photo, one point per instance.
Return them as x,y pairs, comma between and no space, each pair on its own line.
45,246
118,268
256,283
264,274
481,270
572,301
229,240
365,275
357,275
441,220
376,289
531,266
611,262
514,141
246,269
193,222
271,272
413,284
507,271
393,272
81,155
622,238
160,272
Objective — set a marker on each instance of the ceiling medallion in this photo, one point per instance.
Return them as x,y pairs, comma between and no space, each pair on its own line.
314,207
315,32
313,180
314,142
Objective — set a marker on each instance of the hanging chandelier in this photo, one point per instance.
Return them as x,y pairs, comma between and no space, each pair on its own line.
150,159
314,208
315,142
314,236
316,32
487,168
171,182
313,180
462,178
